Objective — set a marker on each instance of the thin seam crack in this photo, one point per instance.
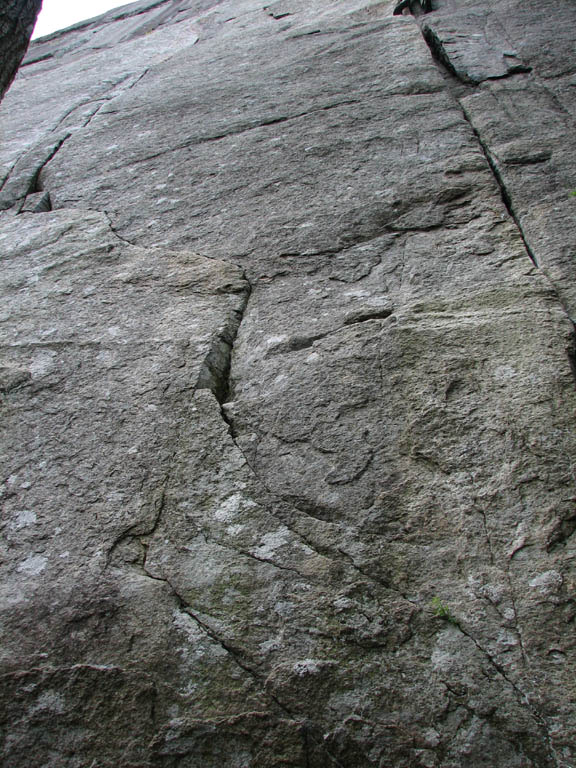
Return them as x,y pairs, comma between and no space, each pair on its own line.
235,656
520,695
242,129
246,553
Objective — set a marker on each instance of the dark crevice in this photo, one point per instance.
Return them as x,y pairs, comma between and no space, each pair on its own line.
444,64
506,199
363,316
561,533
415,7
37,202
443,60
278,15
35,182
298,343
441,57
571,351
215,372
24,177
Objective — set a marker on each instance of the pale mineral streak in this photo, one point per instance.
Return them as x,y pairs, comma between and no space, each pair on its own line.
287,388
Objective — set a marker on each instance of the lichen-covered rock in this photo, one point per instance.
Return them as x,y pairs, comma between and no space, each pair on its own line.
287,389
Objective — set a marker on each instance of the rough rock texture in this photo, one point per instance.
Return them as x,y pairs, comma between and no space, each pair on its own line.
17,19
287,388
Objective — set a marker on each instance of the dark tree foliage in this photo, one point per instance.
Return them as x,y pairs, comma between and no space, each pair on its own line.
17,19
414,6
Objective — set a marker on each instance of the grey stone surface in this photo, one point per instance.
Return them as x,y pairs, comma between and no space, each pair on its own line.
287,389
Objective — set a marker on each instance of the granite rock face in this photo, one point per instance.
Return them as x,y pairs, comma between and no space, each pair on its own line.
287,388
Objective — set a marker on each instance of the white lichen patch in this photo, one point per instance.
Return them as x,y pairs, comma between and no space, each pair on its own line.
268,646
49,701
547,583
33,565
271,542
232,506
307,667
234,530
505,372
42,363
23,518
284,608
273,340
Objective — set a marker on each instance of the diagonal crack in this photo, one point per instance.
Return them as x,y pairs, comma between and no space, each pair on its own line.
24,177
506,198
243,128
520,695
440,55
236,656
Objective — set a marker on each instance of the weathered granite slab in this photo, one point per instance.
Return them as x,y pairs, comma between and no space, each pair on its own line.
287,389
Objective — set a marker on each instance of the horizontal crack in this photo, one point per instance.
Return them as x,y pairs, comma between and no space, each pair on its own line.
243,128
297,343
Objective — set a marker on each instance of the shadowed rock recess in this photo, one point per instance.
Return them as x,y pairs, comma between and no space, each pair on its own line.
287,388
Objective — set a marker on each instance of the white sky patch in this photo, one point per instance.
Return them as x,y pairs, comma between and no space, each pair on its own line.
58,14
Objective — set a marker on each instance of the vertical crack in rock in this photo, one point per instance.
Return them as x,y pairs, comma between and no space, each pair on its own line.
439,54
494,562
443,61
195,465
35,182
504,193
215,372
509,205
24,178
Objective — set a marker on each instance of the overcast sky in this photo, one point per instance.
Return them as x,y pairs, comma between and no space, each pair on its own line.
57,14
